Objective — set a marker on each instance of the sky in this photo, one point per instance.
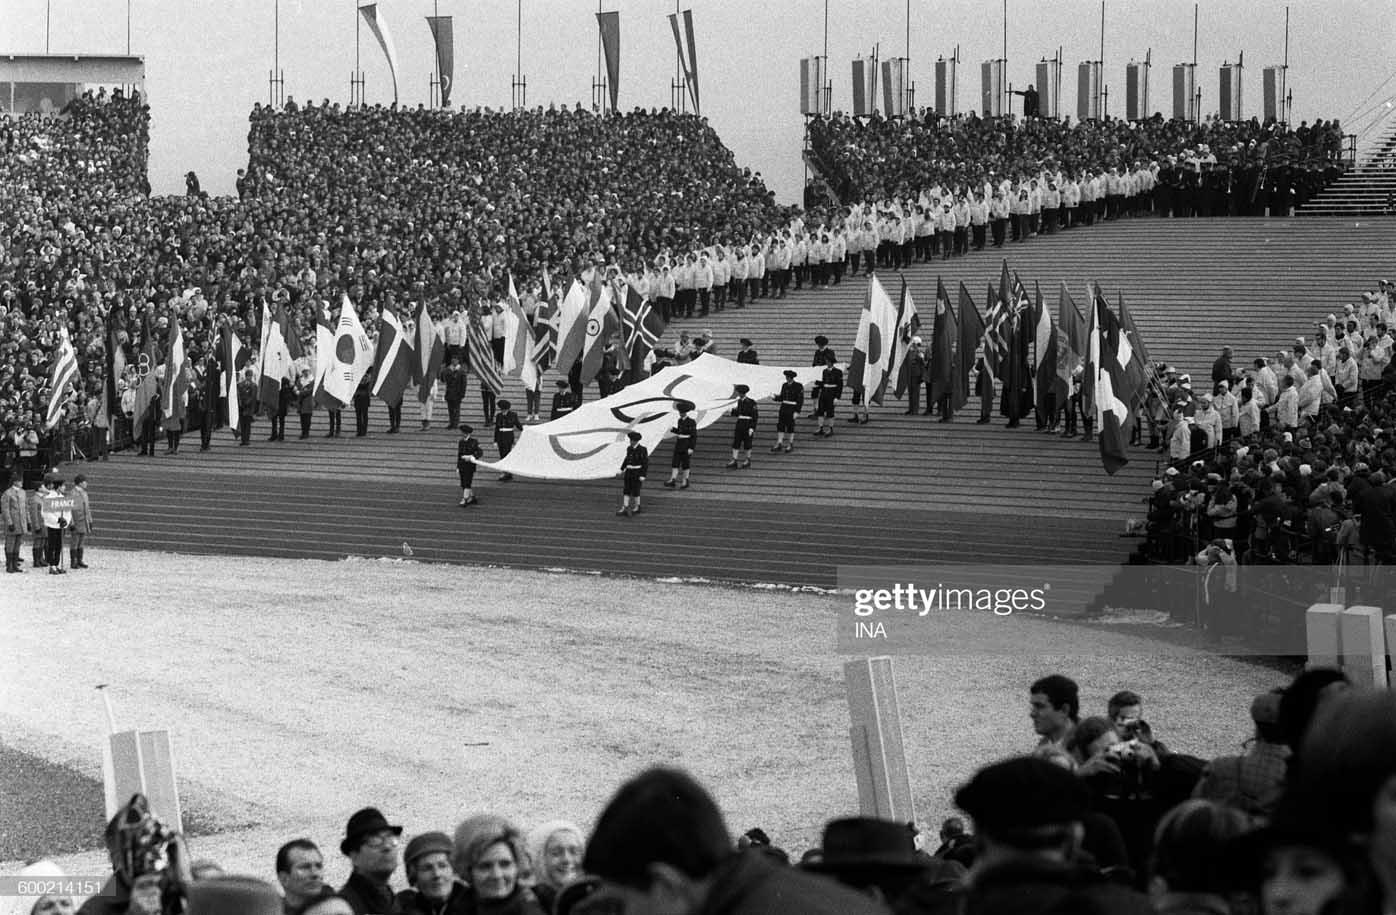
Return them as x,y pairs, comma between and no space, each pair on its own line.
207,61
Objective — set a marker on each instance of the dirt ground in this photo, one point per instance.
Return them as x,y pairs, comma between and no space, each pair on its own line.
299,691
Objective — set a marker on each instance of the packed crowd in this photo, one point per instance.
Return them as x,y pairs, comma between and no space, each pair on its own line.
1287,459
395,207
1208,168
1104,815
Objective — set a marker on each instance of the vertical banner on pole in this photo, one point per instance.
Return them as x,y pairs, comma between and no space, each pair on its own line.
443,35
1088,91
864,102
609,24
991,73
879,753
1049,80
893,88
812,86
688,54
379,27
1273,90
1229,92
1136,91
158,771
945,87
1184,85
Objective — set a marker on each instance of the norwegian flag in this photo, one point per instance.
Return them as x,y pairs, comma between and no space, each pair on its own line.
642,326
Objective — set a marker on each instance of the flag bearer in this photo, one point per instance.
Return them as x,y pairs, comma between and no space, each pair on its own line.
745,431
634,468
466,454
791,399
506,425
685,440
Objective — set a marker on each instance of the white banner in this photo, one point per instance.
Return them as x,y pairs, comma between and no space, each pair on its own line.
589,443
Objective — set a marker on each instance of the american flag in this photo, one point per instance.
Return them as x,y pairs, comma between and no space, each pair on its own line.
65,372
482,356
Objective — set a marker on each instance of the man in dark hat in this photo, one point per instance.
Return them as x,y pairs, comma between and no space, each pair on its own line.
633,468
467,453
1028,814
371,845
821,346
745,430
685,440
661,846
879,858
434,887
791,399
506,425
564,401
747,354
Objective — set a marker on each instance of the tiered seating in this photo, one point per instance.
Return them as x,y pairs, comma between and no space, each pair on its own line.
901,489
1368,190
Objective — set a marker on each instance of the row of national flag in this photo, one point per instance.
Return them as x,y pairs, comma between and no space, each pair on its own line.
1031,352
563,333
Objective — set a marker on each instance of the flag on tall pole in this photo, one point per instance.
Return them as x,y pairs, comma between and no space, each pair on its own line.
908,326
379,27
279,348
518,337
176,378
116,369
601,323
235,357
972,333
148,388
946,339
395,360
1045,361
443,36
351,356
428,353
642,325
63,373
1110,355
482,355
324,356
871,362
1071,343
571,327
1141,370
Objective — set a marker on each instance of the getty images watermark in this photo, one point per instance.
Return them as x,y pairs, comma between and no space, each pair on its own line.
1001,609
949,609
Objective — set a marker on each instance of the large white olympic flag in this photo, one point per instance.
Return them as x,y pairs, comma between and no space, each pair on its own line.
589,443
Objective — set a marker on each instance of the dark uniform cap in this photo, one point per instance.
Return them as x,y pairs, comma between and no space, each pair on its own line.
790,373
821,340
466,430
741,389
1022,794
635,436
683,406
504,405
561,383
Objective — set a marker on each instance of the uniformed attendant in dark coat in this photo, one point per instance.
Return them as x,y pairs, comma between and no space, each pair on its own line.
467,453
984,387
821,346
745,430
506,425
455,378
247,407
792,400
685,441
827,391
747,354
363,396
634,468
564,401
